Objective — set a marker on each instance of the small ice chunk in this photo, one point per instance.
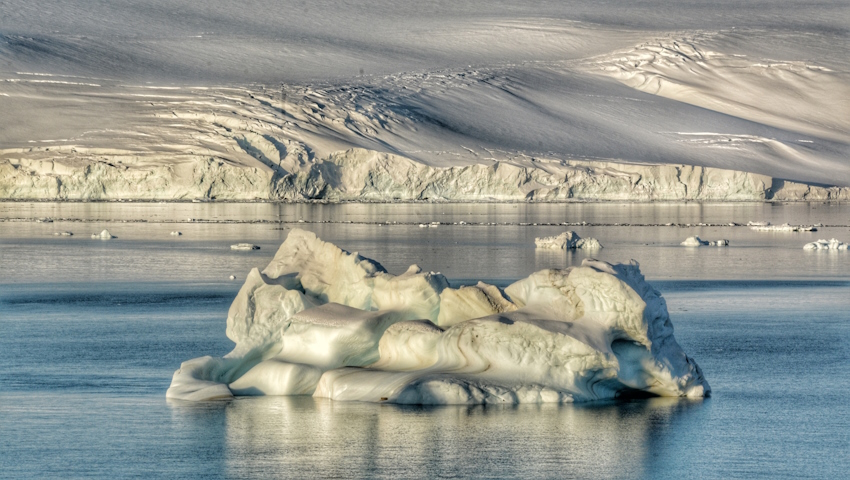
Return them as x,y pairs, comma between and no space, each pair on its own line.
233,277
63,234
104,235
567,241
176,233
694,242
719,243
244,246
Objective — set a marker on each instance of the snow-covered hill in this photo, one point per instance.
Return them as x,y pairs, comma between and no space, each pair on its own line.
423,101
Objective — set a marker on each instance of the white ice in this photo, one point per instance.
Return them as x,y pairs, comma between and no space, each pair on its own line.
831,244
324,322
534,101
698,242
104,235
767,227
568,240
244,246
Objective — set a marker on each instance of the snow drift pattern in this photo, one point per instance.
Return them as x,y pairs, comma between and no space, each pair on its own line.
324,322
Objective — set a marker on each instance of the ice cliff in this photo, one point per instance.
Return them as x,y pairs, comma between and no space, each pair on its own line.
324,322
366,175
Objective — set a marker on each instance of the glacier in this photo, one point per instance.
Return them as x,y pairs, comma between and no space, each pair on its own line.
544,102
321,321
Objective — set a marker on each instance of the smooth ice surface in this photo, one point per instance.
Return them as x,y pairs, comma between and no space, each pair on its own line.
597,331
423,101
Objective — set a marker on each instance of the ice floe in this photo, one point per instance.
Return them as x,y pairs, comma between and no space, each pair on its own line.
698,242
244,246
325,322
104,235
568,240
831,244
767,227
176,234
63,234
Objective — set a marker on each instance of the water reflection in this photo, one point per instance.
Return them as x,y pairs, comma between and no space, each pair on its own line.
303,436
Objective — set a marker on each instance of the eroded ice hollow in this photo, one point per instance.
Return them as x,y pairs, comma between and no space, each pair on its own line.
324,322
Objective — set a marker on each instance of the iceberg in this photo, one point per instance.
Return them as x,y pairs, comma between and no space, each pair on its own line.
321,321
568,241
831,244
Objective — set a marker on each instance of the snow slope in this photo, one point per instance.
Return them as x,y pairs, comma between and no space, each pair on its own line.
425,100
592,332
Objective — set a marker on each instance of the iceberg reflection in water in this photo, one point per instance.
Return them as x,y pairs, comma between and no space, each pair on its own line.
293,436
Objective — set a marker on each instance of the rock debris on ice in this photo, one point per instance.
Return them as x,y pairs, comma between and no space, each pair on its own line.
325,322
568,240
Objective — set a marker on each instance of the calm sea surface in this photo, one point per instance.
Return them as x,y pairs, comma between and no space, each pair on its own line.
91,331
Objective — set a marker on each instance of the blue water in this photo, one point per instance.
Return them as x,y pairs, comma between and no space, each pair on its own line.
87,357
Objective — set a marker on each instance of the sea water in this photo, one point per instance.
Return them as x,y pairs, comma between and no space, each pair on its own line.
91,331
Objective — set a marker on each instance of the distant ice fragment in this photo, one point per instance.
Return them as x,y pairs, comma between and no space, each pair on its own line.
698,242
568,240
176,234
244,246
104,235
831,244
63,234
233,277
767,227
325,322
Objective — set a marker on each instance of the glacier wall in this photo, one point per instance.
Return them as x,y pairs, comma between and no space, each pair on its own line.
365,175
325,322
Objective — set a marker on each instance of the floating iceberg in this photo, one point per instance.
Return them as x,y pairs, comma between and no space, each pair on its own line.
831,244
104,235
567,241
767,227
698,242
324,322
244,246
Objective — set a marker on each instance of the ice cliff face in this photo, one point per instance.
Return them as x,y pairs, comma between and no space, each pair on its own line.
324,322
364,175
